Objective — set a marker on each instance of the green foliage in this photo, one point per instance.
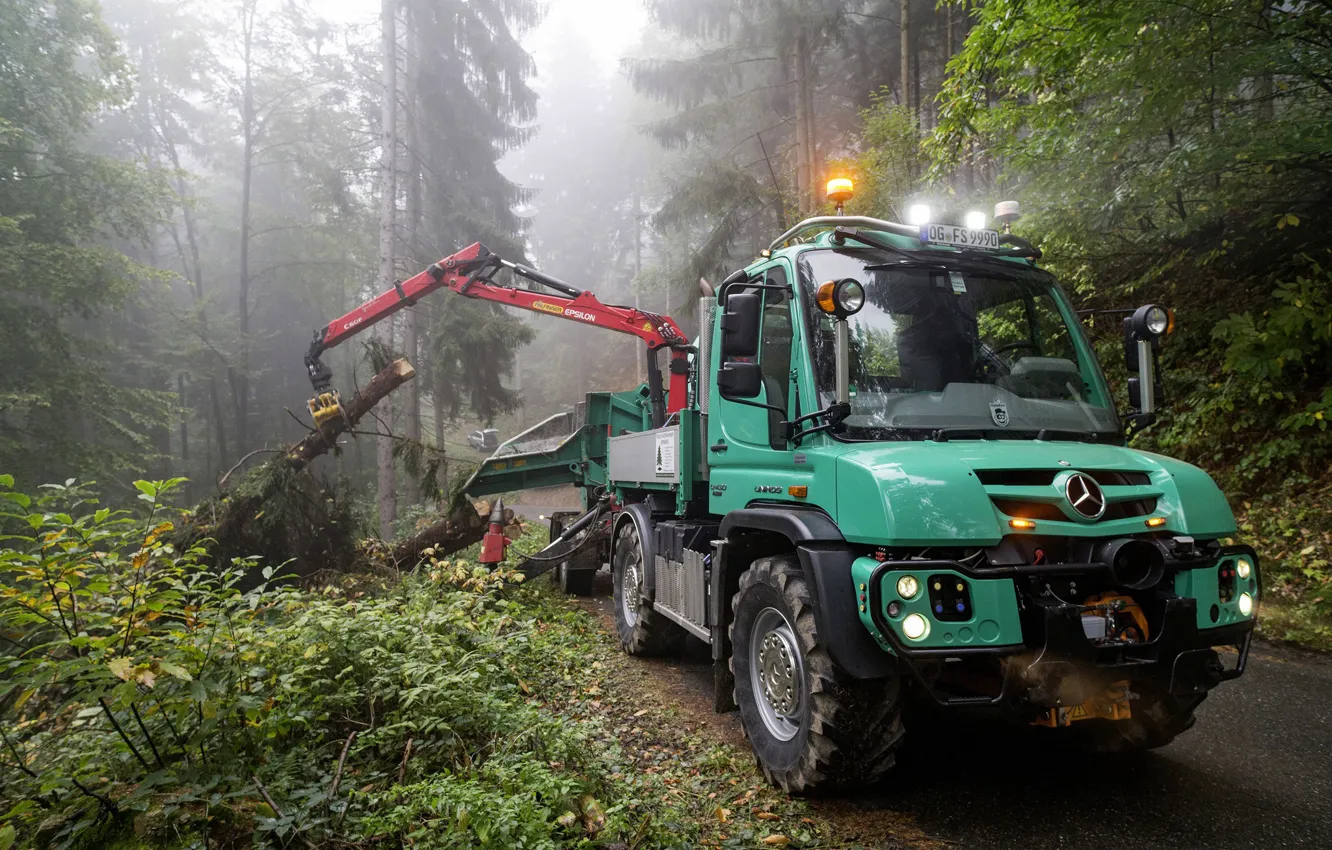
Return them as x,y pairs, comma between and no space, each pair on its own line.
143,687
64,404
123,659
889,169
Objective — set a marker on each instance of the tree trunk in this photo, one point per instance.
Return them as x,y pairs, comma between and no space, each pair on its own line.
411,321
388,494
950,46
184,436
802,128
239,377
811,136
905,27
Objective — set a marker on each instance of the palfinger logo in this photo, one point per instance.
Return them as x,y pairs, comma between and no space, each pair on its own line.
549,308
1085,495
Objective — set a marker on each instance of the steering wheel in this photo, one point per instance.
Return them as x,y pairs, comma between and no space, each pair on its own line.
990,362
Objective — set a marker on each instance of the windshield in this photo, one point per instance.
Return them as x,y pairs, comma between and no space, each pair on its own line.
980,345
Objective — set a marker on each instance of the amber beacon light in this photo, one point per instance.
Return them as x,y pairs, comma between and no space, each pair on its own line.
841,190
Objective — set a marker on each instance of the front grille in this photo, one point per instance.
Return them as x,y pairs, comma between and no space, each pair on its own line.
1031,510
1051,512
1127,510
1046,477
1119,478
1016,477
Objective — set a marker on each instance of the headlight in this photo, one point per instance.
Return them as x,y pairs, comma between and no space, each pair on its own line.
1245,604
907,587
976,220
918,214
915,627
1243,569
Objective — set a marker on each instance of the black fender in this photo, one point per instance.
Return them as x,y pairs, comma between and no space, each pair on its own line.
640,515
826,558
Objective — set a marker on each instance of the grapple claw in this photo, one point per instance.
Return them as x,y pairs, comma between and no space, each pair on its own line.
326,407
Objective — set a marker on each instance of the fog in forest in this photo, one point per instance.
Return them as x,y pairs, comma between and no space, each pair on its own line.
221,194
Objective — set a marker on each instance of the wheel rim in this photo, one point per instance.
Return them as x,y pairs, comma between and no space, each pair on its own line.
629,591
777,674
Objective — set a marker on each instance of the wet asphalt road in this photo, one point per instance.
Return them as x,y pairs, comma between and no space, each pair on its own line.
1255,772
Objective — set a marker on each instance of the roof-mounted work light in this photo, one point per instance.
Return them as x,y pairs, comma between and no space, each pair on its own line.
918,214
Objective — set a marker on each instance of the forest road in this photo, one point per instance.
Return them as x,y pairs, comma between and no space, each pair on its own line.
1255,772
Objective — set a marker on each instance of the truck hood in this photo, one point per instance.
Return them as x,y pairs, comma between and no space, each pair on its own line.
946,493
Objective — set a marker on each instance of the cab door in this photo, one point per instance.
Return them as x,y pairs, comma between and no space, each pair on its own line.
750,457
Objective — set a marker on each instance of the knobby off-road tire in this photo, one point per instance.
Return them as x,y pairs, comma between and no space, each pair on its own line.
1158,718
818,728
642,630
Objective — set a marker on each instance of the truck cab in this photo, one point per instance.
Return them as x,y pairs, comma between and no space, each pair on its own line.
901,475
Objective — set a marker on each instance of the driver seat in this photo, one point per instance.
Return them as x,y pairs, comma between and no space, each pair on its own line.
933,355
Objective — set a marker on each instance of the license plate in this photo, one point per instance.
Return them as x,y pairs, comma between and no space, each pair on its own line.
959,237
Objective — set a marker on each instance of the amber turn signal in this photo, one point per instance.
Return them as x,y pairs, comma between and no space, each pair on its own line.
1022,524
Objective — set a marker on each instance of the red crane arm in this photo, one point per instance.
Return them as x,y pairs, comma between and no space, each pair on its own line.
468,273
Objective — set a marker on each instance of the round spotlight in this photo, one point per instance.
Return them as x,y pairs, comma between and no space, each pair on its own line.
915,627
1158,320
841,298
907,587
850,296
918,214
1243,568
1245,604
976,220
1150,322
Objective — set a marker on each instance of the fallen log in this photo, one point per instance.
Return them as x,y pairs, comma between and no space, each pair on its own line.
283,515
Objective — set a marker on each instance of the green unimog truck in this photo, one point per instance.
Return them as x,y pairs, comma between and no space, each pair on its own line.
900,474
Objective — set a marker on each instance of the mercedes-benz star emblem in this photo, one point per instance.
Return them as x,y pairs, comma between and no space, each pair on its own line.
1085,495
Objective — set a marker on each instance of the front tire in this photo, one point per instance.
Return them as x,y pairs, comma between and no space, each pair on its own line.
642,630
812,726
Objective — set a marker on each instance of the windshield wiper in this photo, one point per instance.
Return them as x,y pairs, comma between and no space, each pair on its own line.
841,234
987,271
943,435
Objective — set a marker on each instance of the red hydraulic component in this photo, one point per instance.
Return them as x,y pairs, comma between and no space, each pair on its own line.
469,273
494,544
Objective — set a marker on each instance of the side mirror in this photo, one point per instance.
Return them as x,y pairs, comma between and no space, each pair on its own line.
738,379
740,326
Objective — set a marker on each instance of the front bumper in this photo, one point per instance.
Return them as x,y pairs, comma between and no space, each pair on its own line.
1048,661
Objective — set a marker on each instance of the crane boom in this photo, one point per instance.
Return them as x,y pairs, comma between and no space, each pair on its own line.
469,273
